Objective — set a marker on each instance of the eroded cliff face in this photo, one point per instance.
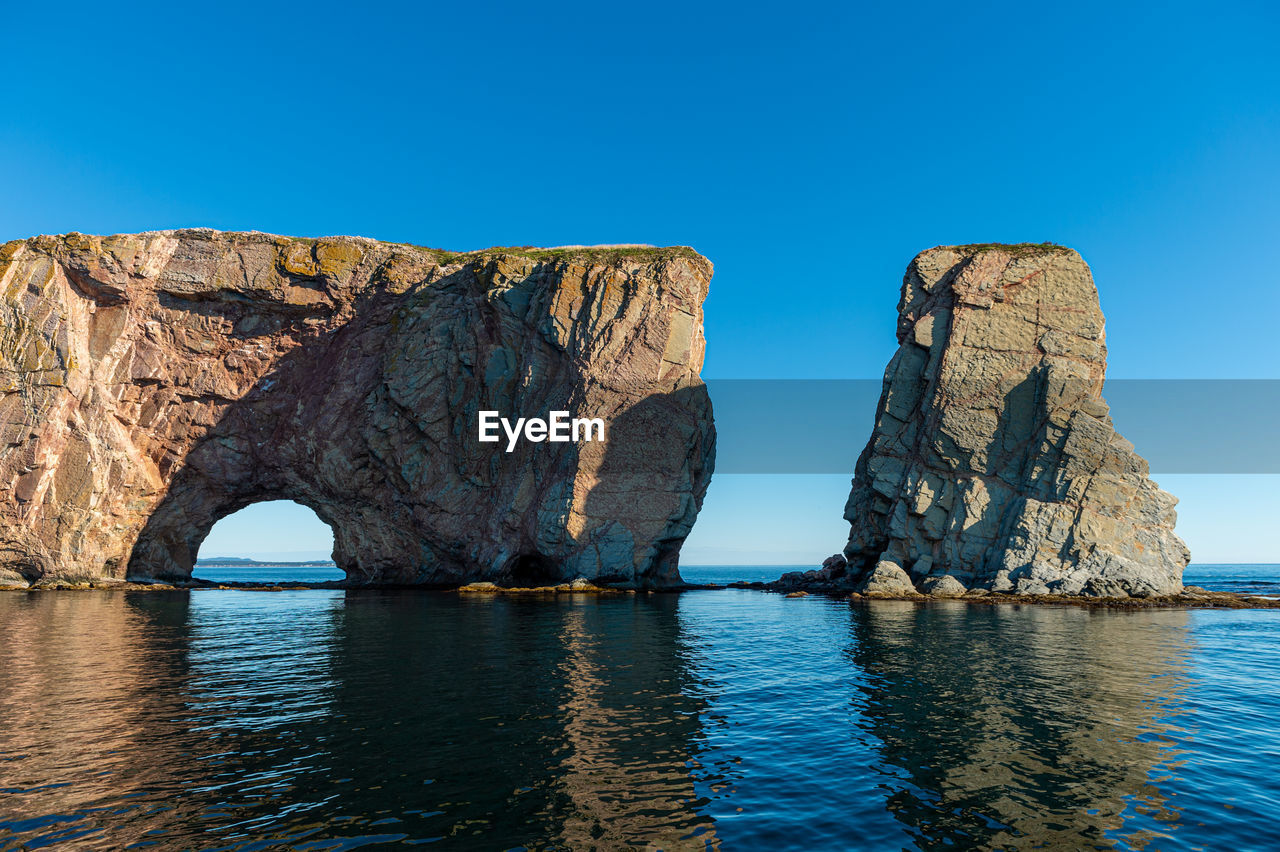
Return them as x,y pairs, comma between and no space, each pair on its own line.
994,463
154,383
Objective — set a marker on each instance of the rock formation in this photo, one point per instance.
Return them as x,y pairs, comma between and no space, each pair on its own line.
994,464
155,383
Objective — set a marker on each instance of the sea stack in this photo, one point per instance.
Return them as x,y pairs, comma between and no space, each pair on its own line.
154,383
994,464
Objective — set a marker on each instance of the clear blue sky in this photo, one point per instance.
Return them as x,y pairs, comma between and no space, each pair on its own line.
808,149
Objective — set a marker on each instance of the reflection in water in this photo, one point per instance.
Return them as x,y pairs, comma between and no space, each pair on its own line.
1034,727
79,676
628,724
225,720
324,720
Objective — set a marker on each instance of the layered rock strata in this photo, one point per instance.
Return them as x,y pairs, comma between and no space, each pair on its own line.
994,464
155,383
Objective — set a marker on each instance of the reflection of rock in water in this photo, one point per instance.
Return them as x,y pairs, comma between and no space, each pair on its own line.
626,767
517,722
289,720
91,701
1027,727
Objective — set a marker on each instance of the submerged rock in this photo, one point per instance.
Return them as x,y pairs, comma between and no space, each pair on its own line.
154,383
994,463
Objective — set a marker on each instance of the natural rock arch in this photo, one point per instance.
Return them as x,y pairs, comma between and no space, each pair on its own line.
267,531
158,382
176,537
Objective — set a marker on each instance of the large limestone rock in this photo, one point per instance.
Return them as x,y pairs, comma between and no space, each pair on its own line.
155,383
994,461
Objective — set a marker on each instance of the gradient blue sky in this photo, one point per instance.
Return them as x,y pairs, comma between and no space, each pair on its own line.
808,149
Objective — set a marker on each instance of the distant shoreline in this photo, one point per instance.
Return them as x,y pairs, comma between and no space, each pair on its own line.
238,561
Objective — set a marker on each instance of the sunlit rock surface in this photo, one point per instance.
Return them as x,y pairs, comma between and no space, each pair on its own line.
154,383
994,462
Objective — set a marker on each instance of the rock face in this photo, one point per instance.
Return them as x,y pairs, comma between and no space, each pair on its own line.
155,383
994,462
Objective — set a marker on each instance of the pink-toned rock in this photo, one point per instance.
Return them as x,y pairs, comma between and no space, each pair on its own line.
154,383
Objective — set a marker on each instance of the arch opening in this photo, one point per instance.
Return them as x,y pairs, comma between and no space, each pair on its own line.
271,541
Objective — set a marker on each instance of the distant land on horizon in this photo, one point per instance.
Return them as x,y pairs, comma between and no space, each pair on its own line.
241,560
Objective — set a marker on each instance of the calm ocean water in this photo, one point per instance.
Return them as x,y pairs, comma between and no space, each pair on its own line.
328,720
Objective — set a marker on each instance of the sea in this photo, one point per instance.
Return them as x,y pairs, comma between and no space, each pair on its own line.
730,719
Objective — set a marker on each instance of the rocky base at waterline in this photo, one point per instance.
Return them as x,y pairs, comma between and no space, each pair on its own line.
108,584
579,586
1192,597
840,585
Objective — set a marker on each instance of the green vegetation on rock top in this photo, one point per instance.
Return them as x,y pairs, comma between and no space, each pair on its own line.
1015,249
589,254
595,254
